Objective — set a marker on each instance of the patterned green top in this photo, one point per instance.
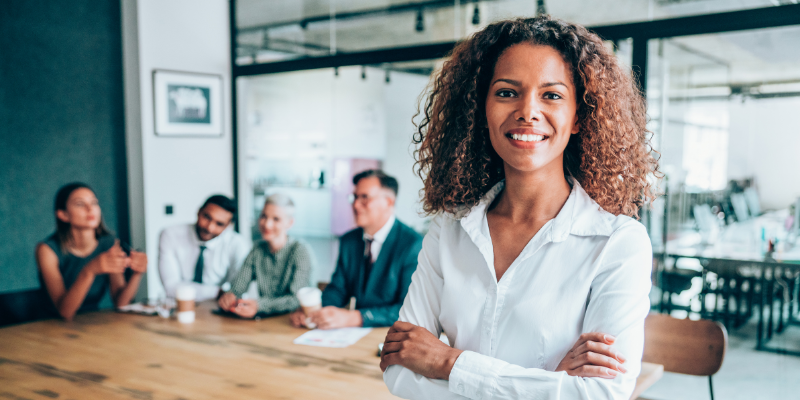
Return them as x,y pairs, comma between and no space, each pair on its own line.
278,275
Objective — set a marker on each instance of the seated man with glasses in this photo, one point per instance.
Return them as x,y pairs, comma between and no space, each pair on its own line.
376,261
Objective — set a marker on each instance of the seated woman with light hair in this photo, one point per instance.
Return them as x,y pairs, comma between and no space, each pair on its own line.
281,265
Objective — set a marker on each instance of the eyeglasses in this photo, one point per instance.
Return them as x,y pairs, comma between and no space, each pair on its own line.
361,198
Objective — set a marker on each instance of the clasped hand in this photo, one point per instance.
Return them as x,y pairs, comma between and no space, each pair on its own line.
115,261
245,308
415,348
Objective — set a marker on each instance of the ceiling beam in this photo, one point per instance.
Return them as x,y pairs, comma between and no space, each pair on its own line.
770,17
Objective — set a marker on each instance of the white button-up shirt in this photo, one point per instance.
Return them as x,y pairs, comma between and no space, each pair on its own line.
179,248
586,270
379,237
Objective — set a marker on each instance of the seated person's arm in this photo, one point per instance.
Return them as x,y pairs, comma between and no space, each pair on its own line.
239,252
336,293
67,302
335,297
388,315
239,285
303,261
618,306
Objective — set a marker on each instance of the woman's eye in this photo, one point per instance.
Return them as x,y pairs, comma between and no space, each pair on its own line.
505,93
552,96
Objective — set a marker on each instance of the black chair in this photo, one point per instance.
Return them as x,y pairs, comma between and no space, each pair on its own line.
24,306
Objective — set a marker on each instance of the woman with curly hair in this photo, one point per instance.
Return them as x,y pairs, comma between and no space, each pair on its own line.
535,157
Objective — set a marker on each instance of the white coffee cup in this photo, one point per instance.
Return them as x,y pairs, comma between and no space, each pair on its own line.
185,295
310,301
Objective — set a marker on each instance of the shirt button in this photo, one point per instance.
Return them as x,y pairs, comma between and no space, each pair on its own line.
460,388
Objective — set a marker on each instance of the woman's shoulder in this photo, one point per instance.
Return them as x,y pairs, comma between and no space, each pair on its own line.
299,244
52,242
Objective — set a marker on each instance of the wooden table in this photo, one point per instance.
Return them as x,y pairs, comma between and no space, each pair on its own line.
108,355
651,373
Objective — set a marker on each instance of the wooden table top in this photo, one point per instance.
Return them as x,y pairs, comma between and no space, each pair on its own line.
108,355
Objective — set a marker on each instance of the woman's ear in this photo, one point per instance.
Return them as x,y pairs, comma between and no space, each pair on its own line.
289,223
62,215
576,127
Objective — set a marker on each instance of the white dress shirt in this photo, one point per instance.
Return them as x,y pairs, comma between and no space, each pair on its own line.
379,237
179,248
586,270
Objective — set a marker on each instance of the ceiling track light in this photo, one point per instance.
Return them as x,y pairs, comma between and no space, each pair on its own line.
420,25
476,15
540,8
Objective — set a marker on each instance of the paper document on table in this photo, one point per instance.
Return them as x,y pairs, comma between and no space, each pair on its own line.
342,337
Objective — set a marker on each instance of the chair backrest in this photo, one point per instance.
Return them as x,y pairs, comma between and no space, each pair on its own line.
684,346
24,306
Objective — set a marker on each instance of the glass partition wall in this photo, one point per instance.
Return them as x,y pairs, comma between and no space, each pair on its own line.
718,103
724,112
306,133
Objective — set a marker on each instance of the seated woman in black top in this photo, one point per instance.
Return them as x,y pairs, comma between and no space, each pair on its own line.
82,259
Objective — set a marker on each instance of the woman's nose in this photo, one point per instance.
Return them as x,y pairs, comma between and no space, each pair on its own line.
529,110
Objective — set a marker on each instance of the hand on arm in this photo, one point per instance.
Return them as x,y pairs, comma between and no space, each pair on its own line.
416,349
593,357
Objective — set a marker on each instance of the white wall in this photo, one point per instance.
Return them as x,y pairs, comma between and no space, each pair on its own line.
764,142
178,35
399,161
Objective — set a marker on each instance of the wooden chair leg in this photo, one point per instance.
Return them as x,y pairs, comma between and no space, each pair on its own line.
711,387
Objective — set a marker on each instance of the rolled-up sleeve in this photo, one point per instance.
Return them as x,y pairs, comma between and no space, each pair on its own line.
618,304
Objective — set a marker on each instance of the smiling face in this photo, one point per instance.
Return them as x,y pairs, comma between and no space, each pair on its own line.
531,108
212,221
82,210
274,223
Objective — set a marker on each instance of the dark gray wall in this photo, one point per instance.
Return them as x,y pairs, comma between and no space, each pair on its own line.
61,120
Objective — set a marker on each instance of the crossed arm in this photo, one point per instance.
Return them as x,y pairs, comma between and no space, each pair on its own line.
417,365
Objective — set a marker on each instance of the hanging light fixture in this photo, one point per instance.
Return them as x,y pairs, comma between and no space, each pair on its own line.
476,14
540,9
364,72
388,79
420,26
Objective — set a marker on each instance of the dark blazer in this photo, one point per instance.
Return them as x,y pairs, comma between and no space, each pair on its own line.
388,282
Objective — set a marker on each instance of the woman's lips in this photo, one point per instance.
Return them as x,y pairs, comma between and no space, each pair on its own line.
527,138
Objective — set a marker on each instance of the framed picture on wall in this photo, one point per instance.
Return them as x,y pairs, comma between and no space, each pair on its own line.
187,104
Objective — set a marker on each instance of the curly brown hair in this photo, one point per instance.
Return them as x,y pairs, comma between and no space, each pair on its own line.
610,157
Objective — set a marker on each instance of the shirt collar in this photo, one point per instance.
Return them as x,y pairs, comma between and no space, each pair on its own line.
580,216
381,235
